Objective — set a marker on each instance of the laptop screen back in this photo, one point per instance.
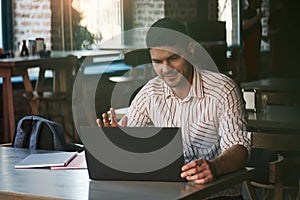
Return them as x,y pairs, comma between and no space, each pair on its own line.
133,153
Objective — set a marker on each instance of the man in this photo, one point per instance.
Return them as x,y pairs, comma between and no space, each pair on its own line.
251,32
207,106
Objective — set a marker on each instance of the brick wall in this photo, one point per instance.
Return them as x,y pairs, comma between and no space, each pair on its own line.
264,22
181,10
32,19
143,14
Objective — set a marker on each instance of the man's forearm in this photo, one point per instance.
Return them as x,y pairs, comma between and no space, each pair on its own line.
234,158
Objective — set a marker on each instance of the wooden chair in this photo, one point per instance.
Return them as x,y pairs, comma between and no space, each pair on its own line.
139,57
134,59
283,144
141,71
54,102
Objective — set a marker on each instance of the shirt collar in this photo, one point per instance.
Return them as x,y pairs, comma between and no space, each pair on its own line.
197,85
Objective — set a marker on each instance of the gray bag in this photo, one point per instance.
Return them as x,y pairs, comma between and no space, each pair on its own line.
35,132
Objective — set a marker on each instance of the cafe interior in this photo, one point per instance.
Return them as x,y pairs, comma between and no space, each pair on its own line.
69,61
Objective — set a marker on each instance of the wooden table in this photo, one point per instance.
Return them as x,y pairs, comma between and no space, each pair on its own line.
123,48
98,55
75,184
276,117
282,91
18,67
271,84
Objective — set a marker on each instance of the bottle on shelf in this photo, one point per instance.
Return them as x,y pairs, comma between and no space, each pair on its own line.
24,50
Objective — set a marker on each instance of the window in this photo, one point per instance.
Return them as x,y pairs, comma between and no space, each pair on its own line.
229,13
6,25
102,18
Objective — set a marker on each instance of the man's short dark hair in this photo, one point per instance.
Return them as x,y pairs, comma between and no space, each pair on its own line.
165,32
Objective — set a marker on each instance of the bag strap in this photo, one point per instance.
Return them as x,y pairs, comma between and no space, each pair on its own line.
21,133
55,128
34,134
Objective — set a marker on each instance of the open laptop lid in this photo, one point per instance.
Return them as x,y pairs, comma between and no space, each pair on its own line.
133,153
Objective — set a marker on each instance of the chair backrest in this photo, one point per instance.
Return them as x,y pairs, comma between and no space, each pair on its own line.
276,169
282,143
64,73
285,144
137,57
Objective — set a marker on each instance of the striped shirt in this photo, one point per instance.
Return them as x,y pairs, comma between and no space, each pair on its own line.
212,117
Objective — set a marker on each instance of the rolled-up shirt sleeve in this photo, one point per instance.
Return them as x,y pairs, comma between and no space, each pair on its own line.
233,121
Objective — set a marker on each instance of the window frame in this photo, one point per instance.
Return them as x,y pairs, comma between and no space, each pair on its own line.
7,26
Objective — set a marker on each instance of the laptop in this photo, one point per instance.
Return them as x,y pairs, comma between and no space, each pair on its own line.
133,153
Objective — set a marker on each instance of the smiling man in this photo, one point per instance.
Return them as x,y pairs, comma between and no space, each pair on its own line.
208,107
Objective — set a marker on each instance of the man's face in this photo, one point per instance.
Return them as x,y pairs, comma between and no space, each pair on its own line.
170,64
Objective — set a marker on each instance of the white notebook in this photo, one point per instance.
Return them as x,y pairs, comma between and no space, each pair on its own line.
46,160
78,162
